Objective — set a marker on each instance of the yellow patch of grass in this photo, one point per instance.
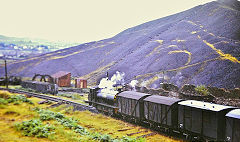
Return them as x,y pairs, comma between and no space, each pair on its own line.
172,46
191,22
194,32
225,42
214,11
154,51
222,55
92,77
79,99
11,114
152,80
156,48
21,68
142,76
211,34
101,62
4,94
159,41
107,125
179,40
60,57
183,51
107,53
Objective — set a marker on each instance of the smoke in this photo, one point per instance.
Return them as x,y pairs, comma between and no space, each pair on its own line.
133,83
107,85
144,83
118,78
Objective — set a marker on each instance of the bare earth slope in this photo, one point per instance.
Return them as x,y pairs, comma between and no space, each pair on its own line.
197,46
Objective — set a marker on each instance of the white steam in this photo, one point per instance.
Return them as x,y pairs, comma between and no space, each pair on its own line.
118,78
133,83
107,85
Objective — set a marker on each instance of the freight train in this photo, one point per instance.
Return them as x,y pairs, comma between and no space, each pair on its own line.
195,120
42,87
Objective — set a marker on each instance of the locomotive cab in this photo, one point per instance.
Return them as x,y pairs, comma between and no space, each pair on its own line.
104,100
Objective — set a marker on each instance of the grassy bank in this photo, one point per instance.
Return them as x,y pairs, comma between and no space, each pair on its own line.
65,124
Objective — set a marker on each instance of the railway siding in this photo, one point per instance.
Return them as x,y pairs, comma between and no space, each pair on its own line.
76,105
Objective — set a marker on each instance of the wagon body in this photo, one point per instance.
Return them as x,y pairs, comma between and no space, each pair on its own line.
161,110
203,119
42,87
233,126
130,103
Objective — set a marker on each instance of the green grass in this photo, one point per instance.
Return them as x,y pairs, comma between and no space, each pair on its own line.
72,124
202,90
6,98
35,128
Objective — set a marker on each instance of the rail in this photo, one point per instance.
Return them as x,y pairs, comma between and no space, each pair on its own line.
76,105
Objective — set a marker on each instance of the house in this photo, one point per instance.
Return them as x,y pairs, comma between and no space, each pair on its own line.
62,79
80,83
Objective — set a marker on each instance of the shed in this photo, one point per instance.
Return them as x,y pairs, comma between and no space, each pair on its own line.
203,118
62,79
80,83
161,110
233,126
130,103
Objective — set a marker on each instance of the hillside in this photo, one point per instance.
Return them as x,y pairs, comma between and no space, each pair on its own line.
197,46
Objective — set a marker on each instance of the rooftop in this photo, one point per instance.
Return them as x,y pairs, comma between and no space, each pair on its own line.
204,105
234,114
60,74
132,95
162,100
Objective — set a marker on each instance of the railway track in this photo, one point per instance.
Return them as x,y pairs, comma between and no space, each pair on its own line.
77,106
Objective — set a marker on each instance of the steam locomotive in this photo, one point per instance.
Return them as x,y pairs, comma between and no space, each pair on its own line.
191,119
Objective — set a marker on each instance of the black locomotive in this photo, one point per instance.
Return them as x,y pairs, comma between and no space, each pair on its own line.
195,120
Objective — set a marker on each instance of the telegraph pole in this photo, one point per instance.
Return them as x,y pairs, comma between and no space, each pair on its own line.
6,76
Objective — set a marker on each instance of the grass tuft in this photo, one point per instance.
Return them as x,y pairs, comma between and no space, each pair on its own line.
202,89
35,128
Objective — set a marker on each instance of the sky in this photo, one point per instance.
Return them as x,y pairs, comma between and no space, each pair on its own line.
82,20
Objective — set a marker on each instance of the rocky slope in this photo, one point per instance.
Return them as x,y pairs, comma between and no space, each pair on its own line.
197,46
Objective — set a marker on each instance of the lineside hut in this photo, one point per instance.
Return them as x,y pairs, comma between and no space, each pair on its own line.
80,83
62,79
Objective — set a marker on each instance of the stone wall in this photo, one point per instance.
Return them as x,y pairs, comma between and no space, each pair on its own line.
187,92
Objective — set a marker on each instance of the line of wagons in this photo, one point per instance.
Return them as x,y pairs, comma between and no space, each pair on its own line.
42,87
195,120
